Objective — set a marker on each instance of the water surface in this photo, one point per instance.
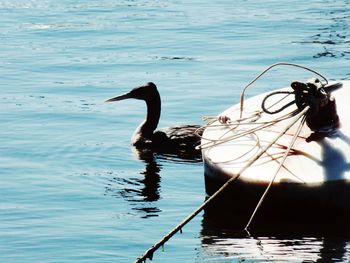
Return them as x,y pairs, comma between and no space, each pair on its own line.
72,189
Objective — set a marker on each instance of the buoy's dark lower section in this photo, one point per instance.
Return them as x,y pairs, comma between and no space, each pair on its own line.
286,203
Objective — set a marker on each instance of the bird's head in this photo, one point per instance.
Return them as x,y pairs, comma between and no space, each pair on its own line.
145,92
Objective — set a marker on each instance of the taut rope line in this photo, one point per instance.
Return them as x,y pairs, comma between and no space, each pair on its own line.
278,169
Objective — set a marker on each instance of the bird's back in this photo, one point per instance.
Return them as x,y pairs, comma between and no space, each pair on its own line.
182,138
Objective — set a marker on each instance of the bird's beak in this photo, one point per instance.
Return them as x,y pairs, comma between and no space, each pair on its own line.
120,97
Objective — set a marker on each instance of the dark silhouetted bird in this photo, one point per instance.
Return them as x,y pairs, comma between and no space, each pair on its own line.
175,140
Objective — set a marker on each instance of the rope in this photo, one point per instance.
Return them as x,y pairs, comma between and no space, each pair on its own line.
278,169
269,68
262,125
149,253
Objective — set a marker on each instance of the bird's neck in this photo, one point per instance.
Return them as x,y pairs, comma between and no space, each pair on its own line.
153,114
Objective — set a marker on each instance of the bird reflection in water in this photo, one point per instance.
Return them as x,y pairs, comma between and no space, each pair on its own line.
141,192
151,180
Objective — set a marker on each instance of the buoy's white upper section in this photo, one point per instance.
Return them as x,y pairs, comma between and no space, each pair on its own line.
308,162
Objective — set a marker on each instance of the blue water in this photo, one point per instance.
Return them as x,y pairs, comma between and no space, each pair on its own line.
72,189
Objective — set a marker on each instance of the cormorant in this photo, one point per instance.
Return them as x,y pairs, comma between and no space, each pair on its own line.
174,140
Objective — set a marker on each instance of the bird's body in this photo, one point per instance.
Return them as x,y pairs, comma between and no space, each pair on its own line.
179,139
